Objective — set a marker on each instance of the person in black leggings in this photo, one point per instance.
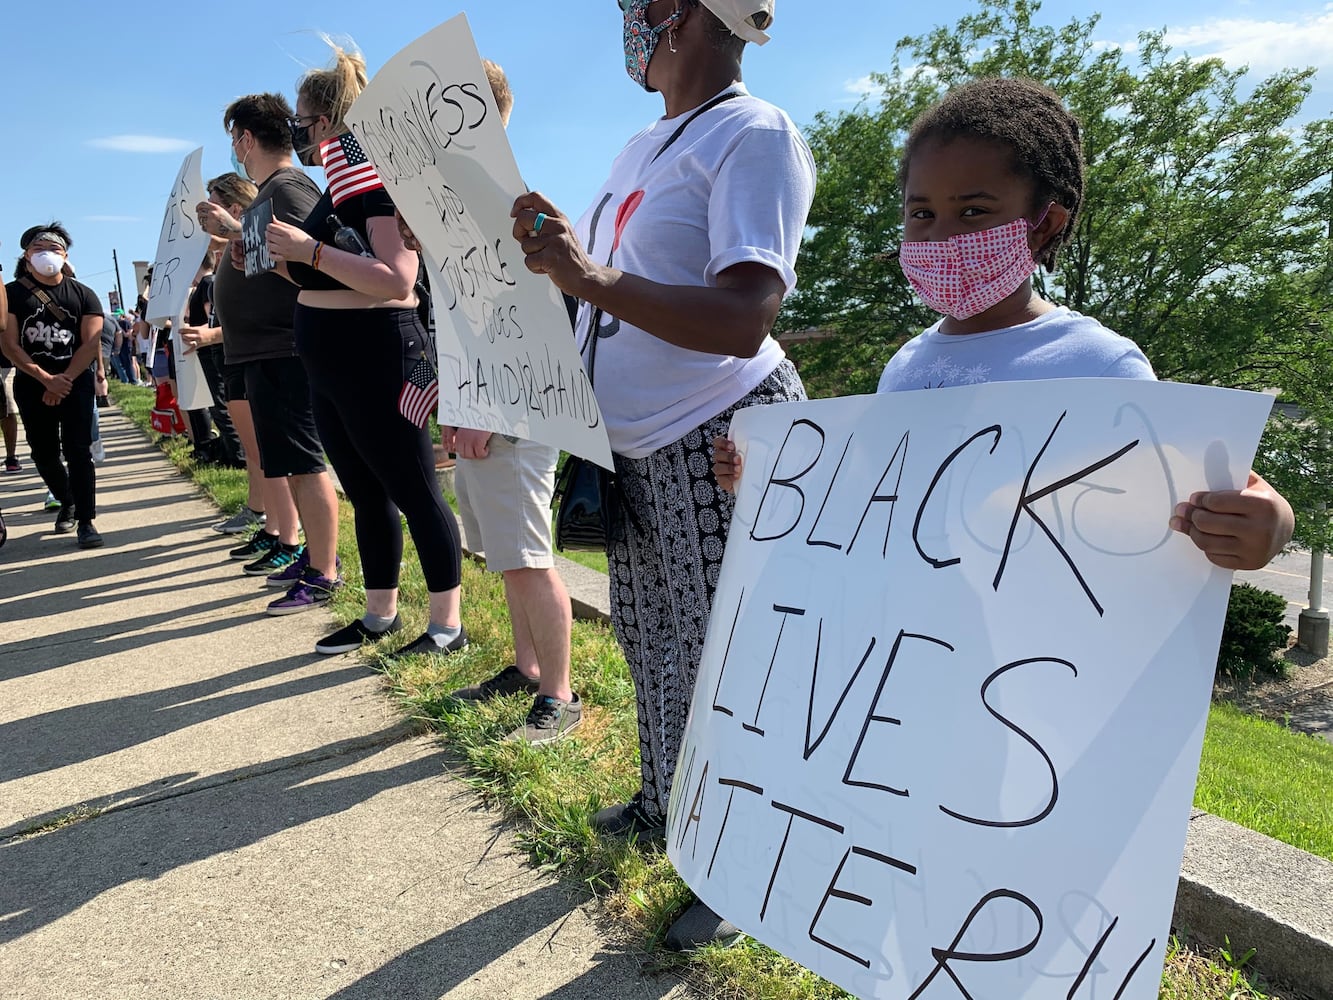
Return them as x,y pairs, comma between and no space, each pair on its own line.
359,336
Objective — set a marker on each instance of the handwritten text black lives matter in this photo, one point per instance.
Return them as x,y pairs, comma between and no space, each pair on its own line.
708,801
178,226
432,118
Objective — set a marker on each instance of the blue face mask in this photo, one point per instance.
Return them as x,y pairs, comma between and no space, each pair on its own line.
641,38
237,165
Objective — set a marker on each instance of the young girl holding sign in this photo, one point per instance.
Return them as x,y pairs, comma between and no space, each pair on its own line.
992,181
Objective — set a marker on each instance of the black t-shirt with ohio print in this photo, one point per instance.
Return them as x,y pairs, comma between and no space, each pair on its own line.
49,341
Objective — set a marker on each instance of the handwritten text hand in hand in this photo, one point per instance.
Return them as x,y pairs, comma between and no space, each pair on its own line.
1237,529
286,242
551,248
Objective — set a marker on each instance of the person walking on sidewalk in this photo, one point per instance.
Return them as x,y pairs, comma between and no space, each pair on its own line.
359,335
257,323
53,337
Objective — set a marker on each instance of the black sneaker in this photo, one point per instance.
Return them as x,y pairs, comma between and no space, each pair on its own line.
261,543
508,681
89,537
548,720
350,637
629,820
65,519
276,560
425,643
699,926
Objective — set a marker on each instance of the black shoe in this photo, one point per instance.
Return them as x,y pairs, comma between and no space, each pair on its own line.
350,637
426,644
629,820
508,681
89,537
261,543
65,519
699,926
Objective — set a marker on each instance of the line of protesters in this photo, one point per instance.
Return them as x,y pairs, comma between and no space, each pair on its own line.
678,268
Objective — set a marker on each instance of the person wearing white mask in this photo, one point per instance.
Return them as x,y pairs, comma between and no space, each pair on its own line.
52,335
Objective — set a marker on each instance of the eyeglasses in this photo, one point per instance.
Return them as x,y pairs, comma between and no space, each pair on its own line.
299,122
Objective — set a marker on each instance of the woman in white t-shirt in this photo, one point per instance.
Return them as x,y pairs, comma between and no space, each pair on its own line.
681,265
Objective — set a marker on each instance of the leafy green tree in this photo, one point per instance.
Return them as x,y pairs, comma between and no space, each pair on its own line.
1203,236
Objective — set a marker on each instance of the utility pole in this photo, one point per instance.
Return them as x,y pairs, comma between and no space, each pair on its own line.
116,264
1312,623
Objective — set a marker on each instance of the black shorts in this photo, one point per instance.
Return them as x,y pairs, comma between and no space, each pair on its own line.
279,394
233,379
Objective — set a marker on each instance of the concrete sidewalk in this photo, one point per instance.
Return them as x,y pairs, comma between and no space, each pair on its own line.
193,804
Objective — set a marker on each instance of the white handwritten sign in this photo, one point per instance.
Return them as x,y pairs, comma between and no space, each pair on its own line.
180,245
944,737
507,357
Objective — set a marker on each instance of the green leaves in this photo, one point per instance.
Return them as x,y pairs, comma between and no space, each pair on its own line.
1205,231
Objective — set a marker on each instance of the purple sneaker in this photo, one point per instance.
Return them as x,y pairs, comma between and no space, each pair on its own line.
288,576
290,573
308,592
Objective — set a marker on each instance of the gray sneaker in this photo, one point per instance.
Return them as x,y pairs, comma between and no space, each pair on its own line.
242,521
549,719
508,681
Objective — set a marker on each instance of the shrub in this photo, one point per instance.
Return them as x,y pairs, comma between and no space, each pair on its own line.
1253,633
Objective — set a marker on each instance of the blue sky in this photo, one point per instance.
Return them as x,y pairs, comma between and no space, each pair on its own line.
101,113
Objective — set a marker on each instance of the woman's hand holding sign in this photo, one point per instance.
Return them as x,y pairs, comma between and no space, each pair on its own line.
549,245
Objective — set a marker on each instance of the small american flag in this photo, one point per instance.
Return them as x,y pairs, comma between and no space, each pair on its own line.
346,168
420,393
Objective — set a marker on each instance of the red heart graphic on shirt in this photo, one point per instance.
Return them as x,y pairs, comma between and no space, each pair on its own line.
626,209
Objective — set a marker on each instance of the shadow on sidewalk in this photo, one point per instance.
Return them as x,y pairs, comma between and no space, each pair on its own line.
433,968
77,733
54,874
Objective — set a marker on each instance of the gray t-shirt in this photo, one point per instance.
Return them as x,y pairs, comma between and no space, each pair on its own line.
1058,344
256,313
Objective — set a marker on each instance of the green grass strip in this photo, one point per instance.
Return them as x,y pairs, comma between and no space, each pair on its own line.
1266,777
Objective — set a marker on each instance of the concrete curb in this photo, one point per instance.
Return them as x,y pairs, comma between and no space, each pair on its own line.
1239,886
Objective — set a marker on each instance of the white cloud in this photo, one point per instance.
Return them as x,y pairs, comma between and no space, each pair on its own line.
111,218
1265,46
864,86
142,144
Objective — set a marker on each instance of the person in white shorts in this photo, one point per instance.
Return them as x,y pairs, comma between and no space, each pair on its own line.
504,499
504,491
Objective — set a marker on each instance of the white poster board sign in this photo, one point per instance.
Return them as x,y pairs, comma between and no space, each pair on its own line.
192,391
180,245
507,357
945,733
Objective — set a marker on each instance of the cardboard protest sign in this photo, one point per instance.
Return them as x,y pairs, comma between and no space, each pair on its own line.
944,737
254,221
180,245
507,357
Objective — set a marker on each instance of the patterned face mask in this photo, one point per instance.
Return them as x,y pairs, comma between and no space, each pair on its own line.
641,38
967,274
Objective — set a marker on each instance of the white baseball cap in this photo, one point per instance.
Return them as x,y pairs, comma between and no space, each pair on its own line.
744,18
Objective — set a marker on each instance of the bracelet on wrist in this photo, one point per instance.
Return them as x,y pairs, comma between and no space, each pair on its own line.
314,254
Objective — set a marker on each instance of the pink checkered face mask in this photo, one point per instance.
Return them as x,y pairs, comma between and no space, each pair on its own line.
967,274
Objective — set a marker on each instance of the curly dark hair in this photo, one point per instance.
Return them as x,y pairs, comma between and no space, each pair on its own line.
1030,119
265,117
